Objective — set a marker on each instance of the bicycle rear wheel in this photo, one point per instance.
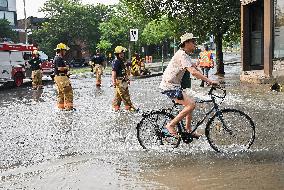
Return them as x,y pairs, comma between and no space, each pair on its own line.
151,131
230,130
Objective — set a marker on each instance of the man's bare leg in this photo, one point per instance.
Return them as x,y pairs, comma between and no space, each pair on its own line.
189,106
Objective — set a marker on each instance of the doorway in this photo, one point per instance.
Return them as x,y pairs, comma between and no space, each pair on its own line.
256,12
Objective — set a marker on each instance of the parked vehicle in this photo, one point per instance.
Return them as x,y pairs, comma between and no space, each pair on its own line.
47,67
13,59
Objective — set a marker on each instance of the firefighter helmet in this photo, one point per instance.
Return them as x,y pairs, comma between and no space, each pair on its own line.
35,52
62,46
120,49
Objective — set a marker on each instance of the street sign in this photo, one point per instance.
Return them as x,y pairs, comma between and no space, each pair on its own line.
133,35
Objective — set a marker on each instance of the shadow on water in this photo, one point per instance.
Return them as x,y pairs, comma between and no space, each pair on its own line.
95,147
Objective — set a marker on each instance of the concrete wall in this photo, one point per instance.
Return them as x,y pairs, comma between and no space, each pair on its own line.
259,77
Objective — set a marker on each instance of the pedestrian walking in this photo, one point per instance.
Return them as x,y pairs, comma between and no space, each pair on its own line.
35,64
206,62
62,81
98,63
172,78
120,80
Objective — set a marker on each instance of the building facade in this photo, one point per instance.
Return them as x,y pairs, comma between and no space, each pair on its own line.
262,40
8,11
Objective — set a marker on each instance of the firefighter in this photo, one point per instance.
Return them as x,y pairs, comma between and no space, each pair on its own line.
120,80
143,69
63,84
98,62
35,63
135,65
205,62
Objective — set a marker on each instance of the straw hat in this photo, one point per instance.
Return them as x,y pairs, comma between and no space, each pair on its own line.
185,37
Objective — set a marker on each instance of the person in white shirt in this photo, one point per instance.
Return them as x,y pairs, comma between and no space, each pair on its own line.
171,82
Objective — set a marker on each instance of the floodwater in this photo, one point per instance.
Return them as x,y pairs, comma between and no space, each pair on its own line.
96,148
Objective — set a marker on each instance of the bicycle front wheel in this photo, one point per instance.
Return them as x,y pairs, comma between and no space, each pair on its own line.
230,130
152,134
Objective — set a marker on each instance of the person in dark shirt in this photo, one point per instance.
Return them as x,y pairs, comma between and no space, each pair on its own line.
121,81
98,62
62,81
35,64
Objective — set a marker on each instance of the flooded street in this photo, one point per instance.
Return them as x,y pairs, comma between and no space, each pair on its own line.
96,148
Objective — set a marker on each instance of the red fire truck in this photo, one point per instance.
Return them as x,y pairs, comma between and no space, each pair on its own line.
13,58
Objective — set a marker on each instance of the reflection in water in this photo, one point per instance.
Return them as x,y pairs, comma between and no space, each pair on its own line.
217,174
61,136
37,95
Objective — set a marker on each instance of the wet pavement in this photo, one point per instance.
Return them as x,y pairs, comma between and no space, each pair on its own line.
96,148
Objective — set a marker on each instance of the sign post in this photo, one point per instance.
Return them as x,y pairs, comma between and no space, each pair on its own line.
133,35
133,38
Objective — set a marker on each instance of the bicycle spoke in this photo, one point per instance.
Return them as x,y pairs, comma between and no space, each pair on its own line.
152,134
233,131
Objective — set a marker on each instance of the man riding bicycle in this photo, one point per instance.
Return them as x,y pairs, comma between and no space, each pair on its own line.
171,82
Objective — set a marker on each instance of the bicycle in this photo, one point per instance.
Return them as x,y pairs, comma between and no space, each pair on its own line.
225,129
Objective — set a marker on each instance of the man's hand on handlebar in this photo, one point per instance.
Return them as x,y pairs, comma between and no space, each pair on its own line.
213,83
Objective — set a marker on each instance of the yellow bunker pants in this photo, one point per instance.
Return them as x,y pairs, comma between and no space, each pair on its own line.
65,92
98,69
121,94
36,79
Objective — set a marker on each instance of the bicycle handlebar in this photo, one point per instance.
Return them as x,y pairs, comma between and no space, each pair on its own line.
215,87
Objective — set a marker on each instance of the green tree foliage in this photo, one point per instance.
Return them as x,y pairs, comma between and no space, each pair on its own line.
6,31
116,28
157,31
203,18
104,45
72,23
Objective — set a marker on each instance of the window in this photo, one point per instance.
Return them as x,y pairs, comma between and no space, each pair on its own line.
4,3
2,15
10,16
278,28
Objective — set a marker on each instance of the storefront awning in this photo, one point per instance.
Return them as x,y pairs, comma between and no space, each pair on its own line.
245,2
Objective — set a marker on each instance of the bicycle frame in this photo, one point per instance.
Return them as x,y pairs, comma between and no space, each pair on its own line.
214,109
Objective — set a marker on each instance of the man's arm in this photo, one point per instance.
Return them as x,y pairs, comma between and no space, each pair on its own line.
197,68
199,75
113,76
60,64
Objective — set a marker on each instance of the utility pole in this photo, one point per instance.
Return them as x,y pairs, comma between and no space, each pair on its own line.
26,30
175,48
163,57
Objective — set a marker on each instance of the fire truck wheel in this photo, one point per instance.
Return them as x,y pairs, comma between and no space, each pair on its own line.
18,80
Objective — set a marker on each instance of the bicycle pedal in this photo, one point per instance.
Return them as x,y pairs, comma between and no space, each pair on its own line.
187,138
186,141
